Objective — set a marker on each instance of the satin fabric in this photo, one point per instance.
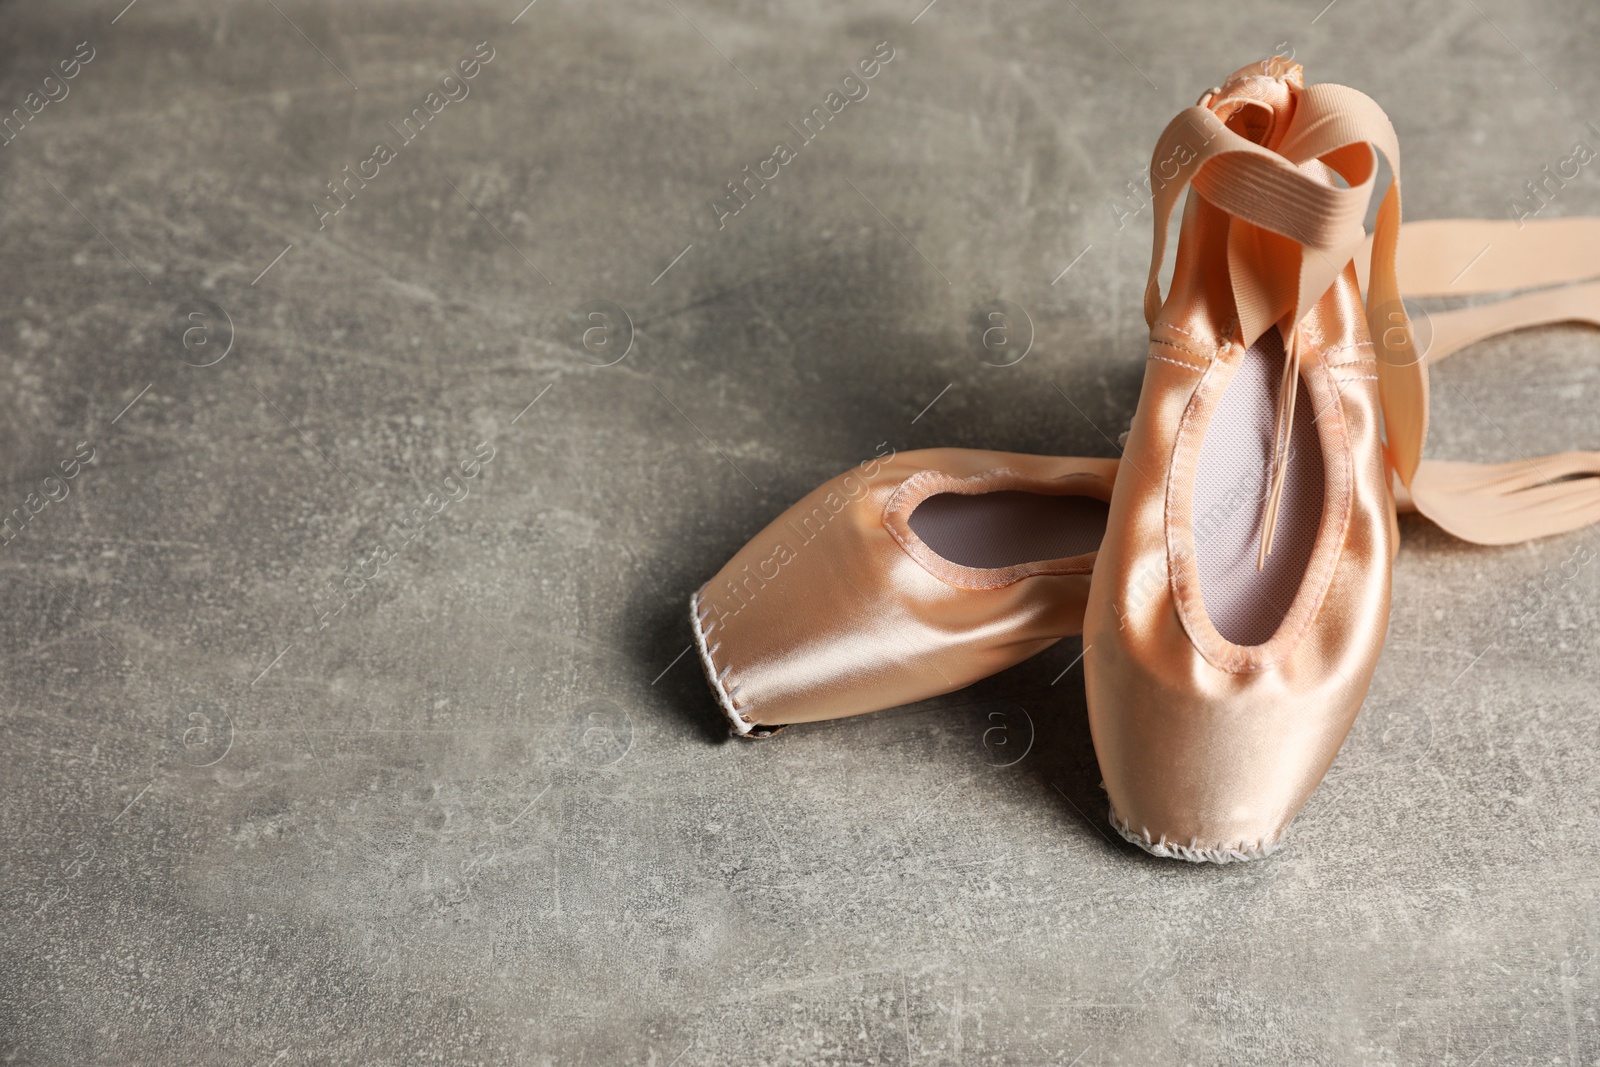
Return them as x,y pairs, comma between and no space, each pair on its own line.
1204,744
1208,748
829,684
839,608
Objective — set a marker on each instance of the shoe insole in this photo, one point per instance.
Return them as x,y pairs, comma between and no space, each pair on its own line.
1005,528
1247,605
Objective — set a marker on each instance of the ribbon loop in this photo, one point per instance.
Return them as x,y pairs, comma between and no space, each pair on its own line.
1292,229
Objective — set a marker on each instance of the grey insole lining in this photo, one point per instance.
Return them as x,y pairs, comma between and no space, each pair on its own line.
1009,527
1230,488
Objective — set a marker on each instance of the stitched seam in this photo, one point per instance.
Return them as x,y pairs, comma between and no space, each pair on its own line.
1355,377
1187,333
1345,348
1180,363
1182,348
1350,363
736,721
1194,852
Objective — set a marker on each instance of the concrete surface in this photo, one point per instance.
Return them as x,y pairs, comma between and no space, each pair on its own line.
485,814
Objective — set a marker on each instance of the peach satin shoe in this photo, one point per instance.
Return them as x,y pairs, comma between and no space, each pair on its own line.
919,573
1241,596
1224,668
912,575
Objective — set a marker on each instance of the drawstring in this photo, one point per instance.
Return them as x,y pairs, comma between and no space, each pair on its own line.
1287,388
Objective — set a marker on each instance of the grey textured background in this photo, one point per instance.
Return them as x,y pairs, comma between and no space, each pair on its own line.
478,818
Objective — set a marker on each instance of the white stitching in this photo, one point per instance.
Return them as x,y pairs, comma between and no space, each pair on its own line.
1182,348
1193,851
736,721
1186,333
1180,363
1344,347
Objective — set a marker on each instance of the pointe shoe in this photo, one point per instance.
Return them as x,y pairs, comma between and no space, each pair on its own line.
775,651
1241,597
912,575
